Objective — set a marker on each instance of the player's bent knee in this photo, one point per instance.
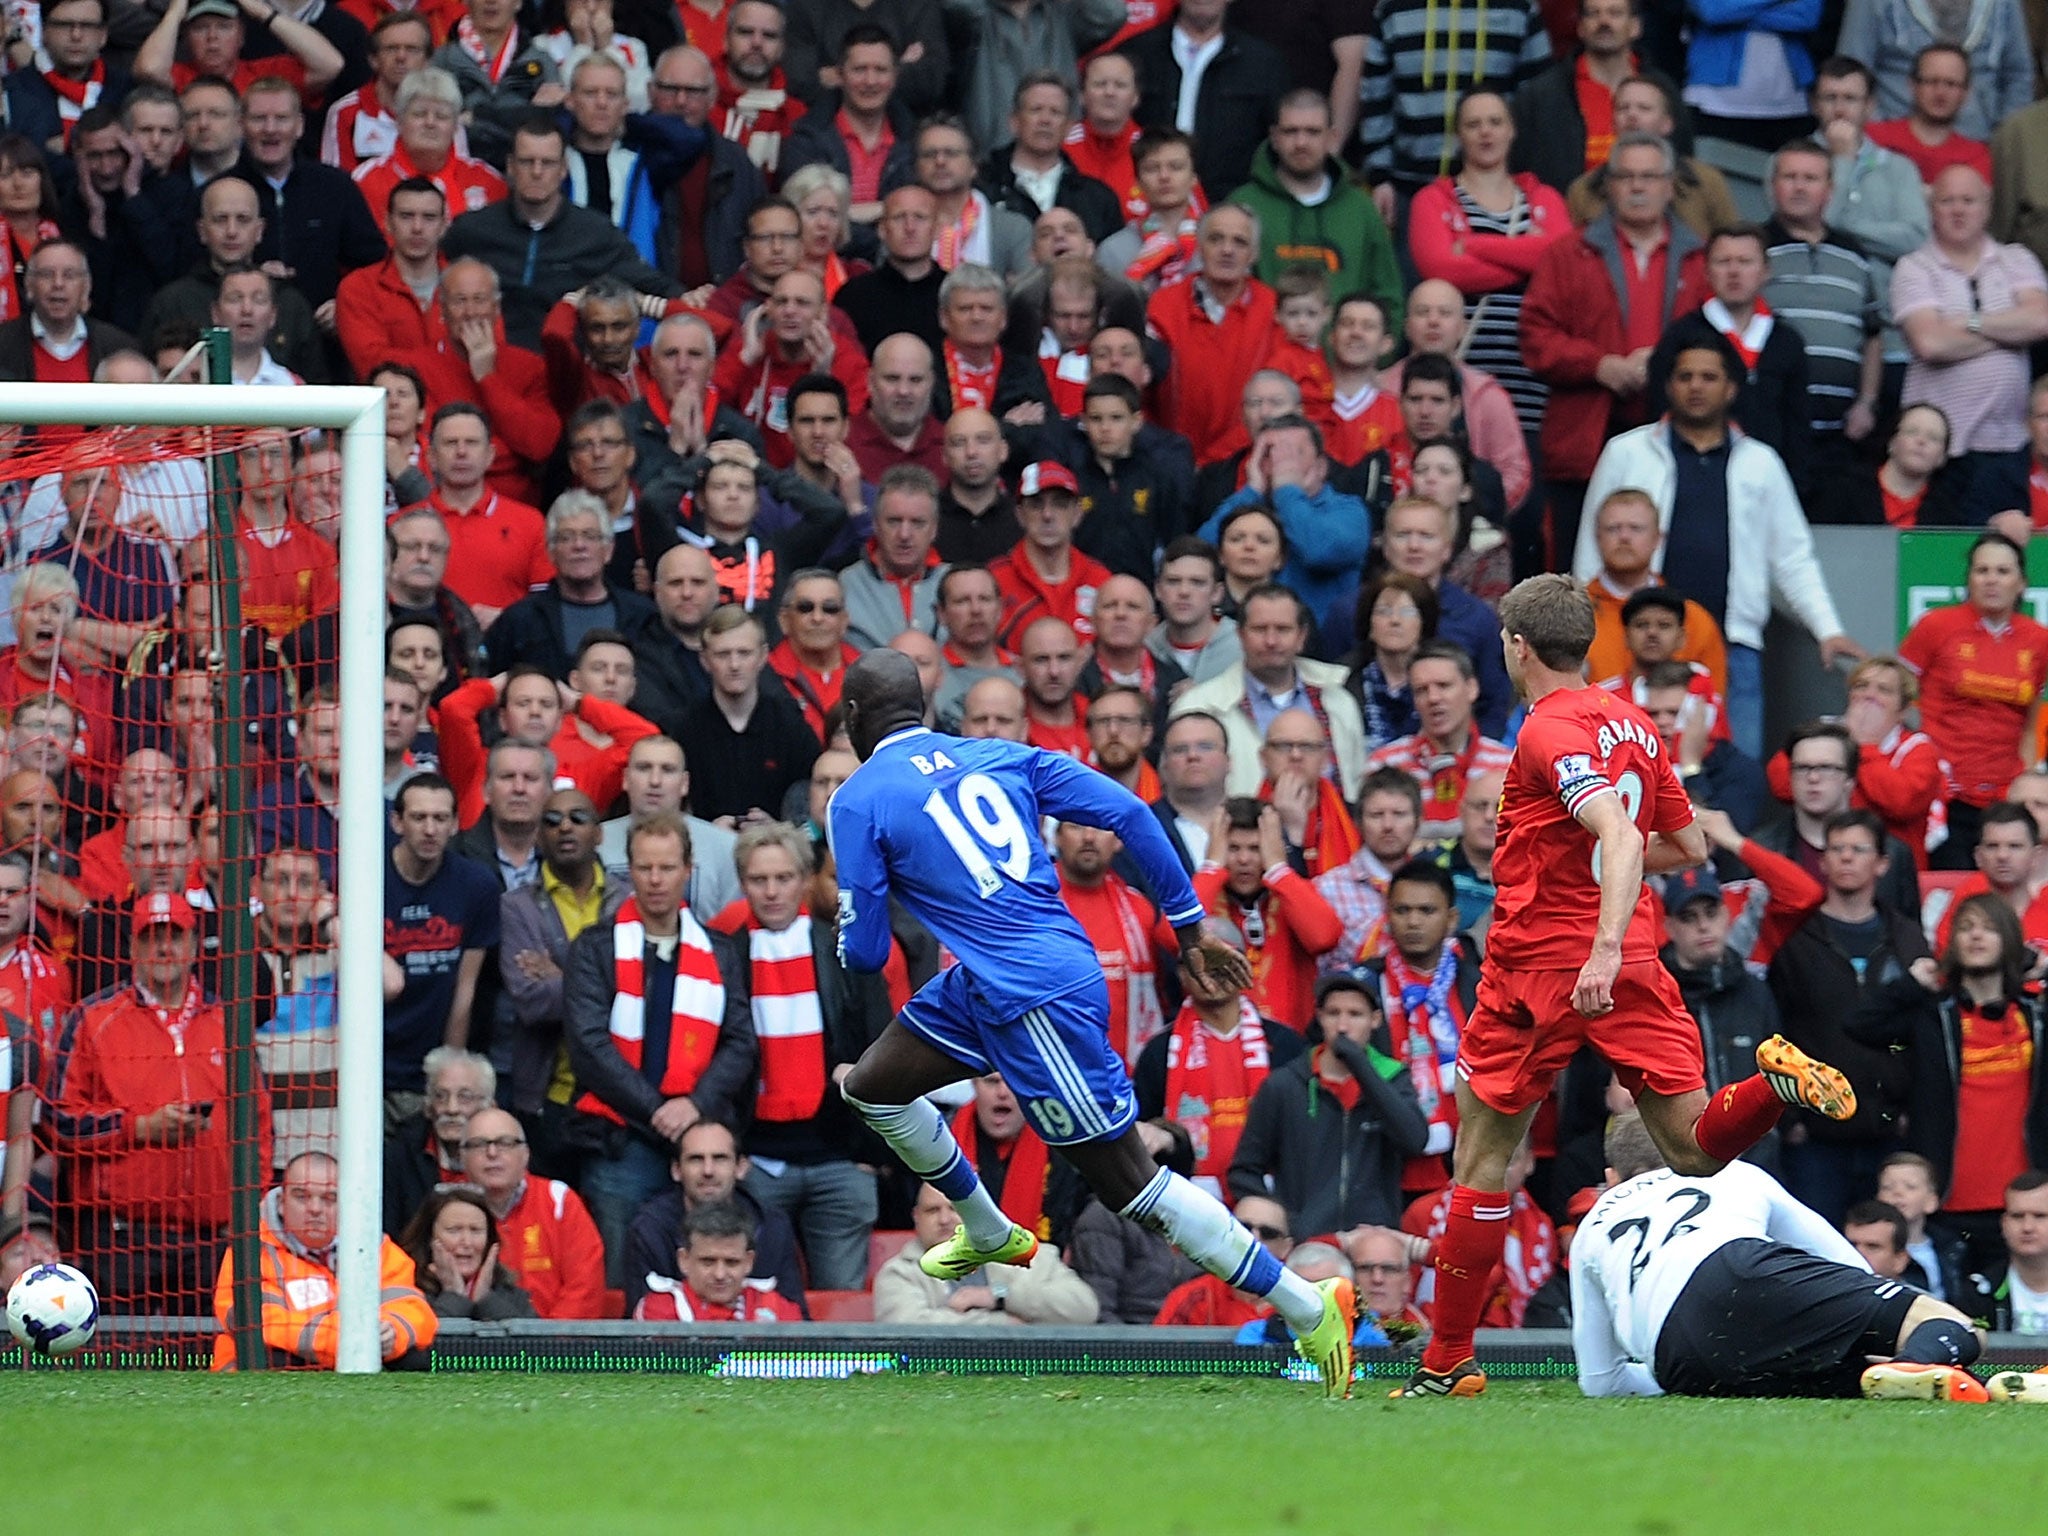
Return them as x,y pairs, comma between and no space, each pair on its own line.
1935,1333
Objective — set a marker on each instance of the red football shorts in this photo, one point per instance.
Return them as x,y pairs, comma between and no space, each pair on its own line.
1524,1031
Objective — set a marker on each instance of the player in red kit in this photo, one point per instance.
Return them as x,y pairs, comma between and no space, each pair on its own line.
1592,803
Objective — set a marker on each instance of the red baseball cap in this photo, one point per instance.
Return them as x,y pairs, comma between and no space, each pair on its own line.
1045,476
160,908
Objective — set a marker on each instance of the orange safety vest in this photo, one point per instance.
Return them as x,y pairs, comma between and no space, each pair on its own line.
299,1312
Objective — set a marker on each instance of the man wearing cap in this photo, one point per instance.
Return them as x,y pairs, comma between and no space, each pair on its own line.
1329,1133
213,33
1045,576
142,1122
1708,954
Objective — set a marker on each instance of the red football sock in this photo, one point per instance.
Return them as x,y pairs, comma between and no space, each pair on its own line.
1466,1255
1737,1118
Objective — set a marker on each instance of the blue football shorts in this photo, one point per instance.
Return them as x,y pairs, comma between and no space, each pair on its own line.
1056,1058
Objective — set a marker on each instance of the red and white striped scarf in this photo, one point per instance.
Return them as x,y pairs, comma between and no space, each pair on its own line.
76,97
695,1012
1213,1098
471,42
788,1022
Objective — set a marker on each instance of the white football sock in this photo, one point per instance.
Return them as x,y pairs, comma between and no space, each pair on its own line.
920,1136
1201,1226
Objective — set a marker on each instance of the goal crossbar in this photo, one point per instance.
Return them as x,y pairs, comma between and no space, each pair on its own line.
356,412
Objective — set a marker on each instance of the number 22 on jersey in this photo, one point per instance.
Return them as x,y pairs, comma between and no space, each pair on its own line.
998,838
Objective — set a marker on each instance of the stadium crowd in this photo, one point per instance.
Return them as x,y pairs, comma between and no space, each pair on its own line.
1179,387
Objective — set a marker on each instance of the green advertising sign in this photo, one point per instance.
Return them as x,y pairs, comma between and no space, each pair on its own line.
1931,568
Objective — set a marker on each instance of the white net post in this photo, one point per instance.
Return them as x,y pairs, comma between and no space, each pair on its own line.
357,413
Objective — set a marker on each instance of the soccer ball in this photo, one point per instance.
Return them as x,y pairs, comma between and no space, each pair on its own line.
53,1309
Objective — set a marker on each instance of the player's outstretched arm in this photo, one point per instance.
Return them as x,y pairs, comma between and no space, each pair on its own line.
1073,792
1621,887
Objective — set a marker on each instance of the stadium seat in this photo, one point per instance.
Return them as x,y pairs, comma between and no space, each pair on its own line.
882,1247
841,1306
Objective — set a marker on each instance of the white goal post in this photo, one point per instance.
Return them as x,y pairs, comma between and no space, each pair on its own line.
357,414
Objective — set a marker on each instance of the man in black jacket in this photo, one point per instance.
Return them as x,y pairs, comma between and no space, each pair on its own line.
1550,127
901,295
1835,964
668,656
651,1056
539,243
1770,392
315,222
1733,1008
1032,173
74,36
1329,1132
1234,105
546,629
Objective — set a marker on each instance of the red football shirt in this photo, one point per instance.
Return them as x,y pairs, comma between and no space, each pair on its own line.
1576,743
1976,686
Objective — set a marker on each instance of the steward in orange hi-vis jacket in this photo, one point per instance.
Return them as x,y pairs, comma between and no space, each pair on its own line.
301,1323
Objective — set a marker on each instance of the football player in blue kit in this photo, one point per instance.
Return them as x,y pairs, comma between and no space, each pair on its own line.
951,828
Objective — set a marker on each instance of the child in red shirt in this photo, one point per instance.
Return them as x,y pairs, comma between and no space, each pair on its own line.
1302,318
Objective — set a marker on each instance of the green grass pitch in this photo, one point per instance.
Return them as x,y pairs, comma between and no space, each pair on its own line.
115,1453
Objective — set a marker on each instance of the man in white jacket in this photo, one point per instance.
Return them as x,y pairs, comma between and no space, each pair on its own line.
1718,491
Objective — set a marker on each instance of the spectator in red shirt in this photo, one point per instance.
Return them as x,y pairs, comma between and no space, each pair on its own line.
1050,658
1219,323
1045,575
898,426
1246,878
1981,665
549,1243
590,343
1927,135
379,311
1977,1107
497,545
213,34
1899,771
1125,927
1589,339
778,343
288,574
1099,143
470,360
590,737
2006,854
428,107
1450,746
141,1098
714,1259
363,125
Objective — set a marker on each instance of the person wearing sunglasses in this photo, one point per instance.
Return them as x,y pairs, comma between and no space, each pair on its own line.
813,655
537,923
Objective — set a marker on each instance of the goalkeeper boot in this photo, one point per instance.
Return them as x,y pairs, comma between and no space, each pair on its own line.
1924,1383
1464,1379
1327,1346
957,1258
1803,1082
2018,1387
